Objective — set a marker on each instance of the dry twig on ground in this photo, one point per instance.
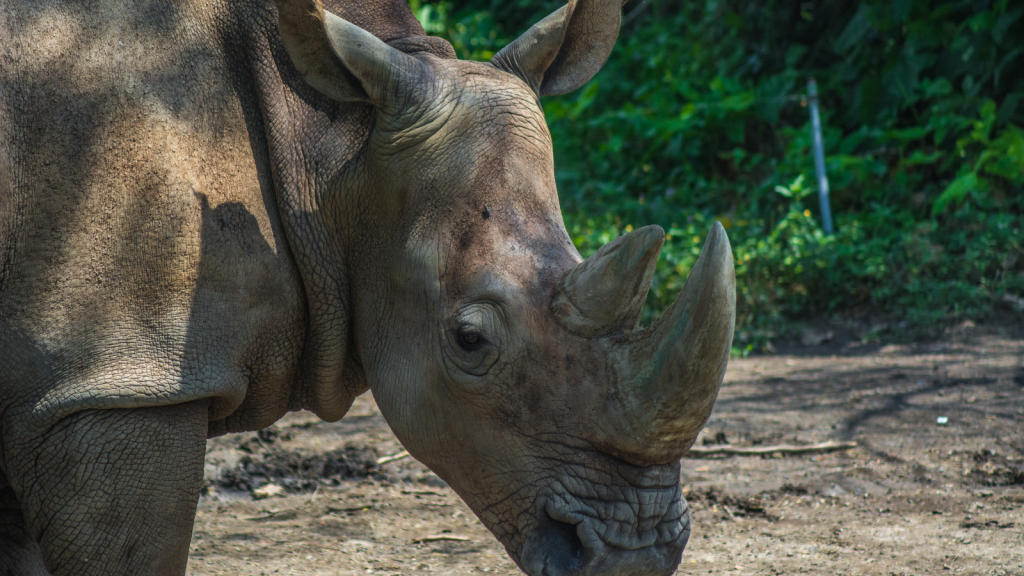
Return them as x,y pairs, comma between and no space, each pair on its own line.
392,458
728,449
440,537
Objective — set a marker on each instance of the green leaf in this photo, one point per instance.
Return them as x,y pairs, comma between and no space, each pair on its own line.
909,134
1008,108
937,87
585,99
1004,22
794,53
1007,60
795,190
955,192
1007,151
856,30
737,102
918,157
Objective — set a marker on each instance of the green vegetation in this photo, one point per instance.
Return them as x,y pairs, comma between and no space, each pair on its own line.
700,115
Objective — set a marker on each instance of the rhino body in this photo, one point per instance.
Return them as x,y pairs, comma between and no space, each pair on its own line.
213,213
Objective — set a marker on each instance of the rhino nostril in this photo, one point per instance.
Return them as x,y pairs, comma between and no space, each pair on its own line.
569,542
552,549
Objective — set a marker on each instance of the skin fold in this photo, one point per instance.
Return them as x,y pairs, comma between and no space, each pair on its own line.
213,213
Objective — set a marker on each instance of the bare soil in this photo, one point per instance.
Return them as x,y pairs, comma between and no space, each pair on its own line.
916,496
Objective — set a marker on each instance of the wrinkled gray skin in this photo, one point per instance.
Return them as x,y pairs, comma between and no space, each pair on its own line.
214,212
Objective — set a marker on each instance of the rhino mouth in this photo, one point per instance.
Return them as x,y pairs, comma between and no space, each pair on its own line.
583,526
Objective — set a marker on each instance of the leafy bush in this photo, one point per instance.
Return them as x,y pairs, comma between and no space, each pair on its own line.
700,115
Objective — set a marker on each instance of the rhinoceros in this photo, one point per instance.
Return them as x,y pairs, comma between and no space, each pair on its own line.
214,212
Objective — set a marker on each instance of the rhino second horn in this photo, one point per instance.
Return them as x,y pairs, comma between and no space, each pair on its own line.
606,292
668,376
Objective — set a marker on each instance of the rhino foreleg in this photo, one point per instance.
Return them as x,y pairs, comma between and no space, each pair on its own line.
114,492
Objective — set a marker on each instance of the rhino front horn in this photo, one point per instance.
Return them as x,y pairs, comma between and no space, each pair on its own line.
606,292
667,377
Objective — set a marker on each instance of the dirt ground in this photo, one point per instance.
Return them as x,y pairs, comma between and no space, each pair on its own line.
913,497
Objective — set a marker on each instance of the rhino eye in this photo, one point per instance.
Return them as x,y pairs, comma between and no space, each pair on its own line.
470,339
473,342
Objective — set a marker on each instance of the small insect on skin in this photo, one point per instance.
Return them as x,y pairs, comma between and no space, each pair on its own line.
487,212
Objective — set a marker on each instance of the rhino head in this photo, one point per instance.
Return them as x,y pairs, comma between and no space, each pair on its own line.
509,365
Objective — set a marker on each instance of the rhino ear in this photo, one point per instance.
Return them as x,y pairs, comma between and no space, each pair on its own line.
563,51
340,59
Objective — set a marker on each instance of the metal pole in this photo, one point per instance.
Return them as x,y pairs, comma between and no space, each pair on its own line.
819,157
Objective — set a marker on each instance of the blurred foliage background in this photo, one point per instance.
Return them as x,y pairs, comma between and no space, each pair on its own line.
700,114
